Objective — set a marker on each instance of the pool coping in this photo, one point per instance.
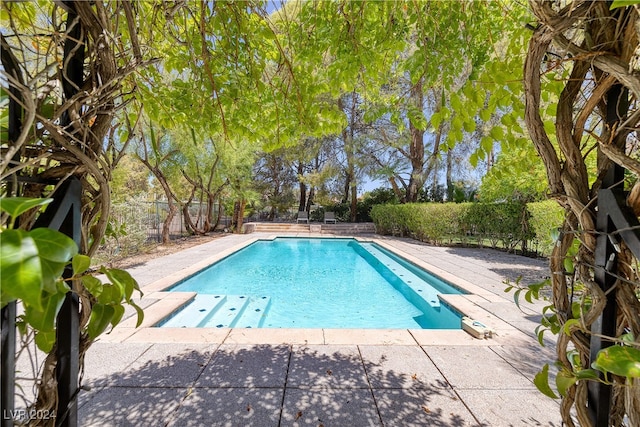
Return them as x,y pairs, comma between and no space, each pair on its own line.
163,303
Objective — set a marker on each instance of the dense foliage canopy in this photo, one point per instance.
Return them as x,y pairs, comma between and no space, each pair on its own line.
214,97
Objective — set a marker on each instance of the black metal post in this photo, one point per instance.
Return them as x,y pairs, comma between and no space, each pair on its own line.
64,214
66,218
8,319
8,363
599,394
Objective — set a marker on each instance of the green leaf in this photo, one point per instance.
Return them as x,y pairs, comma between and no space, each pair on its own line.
619,360
485,114
541,381
564,380
139,312
93,285
540,334
101,316
473,159
53,245
16,206
45,319
55,250
436,120
456,104
80,263
118,312
568,324
568,265
497,133
123,280
154,142
587,374
45,340
487,144
111,294
622,3
20,268
469,126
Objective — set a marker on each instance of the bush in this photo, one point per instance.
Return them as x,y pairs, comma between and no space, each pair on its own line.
429,222
499,222
544,217
127,230
502,224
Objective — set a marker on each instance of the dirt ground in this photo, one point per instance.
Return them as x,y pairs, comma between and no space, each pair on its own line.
158,250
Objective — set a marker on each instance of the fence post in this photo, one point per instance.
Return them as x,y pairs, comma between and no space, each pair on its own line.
606,264
8,316
64,214
8,363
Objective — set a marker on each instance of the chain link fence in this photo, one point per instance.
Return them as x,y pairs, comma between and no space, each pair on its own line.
138,222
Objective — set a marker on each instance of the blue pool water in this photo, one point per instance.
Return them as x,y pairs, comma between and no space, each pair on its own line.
315,283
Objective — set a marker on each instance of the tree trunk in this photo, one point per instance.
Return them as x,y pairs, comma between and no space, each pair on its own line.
416,149
166,226
219,216
171,207
347,187
238,215
310,199
354,202
302,202
450,188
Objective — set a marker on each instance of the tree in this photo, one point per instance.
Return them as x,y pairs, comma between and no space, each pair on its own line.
274,179
518,174
158,153
129,179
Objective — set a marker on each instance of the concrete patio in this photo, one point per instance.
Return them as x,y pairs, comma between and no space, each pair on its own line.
291,377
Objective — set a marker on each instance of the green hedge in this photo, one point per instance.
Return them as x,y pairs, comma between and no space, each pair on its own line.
545,217
432,222
509,224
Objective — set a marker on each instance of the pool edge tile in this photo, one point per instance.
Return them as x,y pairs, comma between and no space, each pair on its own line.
180,335
369,336
453,337
275,336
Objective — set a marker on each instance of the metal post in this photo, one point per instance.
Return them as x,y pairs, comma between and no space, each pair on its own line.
63,214
8,320
599,394
8,363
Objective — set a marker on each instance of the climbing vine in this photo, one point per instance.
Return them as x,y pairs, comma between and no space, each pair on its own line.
583,66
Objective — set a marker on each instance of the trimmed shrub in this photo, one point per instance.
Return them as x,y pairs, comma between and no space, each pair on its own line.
430,222
544,218
507,225
500,222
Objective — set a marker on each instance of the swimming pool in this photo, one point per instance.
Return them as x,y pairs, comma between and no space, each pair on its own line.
314,283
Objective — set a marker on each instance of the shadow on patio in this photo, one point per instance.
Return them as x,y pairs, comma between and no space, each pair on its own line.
264,385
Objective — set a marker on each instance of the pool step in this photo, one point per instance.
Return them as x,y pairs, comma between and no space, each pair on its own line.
240,311
195,312
253,314
221,311
420,286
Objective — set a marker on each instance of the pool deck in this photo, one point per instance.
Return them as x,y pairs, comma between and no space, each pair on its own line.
151,376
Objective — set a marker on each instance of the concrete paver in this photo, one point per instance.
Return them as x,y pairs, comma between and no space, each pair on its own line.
246,366
326,366
293,377
331,407
255,407
422,407
130,406
410,366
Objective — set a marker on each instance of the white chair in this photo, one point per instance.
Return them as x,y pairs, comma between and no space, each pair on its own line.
303,216
329,218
